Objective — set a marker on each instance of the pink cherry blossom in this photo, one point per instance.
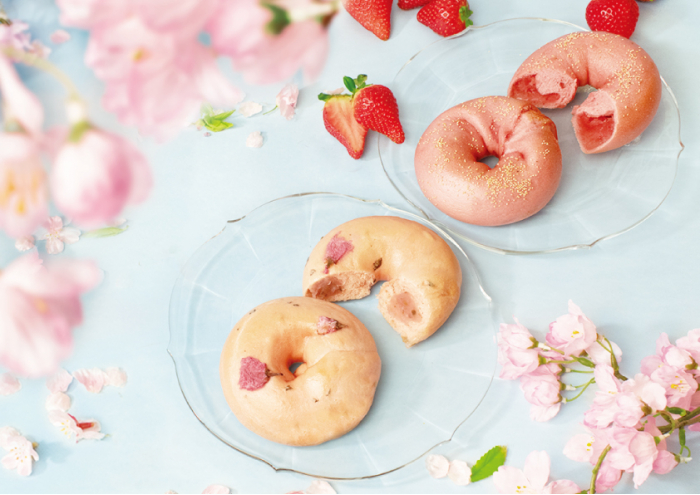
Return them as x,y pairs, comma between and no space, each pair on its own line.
691,344
572,333
238,30
608,477
24,243
336,248
679,385
588,448
326,325
95,177
59,381
580,448
532,478
600,355
15,35
541,388
57,401
651,393
57,235
23,185
671,355
39,306
21,453
72,428
665,461
634,451
517,351
604,407
287,100
438,466
217,489
93,379
9,384
20,104
253,374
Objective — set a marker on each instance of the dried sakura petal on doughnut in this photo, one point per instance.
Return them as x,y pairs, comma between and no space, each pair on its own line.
253,374
460,473
327,325
438,465
336,249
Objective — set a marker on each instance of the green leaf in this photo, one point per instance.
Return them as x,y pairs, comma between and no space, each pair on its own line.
489,463
324,97
677,410
464,14
280,19
360,81
215,123
350,84
105,232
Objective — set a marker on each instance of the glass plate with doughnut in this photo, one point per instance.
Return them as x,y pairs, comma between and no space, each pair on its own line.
425,392
600,196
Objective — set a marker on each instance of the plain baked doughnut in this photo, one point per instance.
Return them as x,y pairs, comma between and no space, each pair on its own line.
627,80
423,276
526,177
327,396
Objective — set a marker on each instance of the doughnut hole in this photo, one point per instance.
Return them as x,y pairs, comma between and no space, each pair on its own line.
342,286
547,89
404,307
594,121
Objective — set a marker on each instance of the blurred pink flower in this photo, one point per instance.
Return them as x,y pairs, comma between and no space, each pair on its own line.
517,351
57,235
541,388
238,30
532,478
20,104
9,384
24,243
39,306
95,177
60,36
286,100
691,344
23,187
21,452
572,333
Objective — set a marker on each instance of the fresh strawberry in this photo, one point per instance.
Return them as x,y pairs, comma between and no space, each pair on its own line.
339,121
375,108
374,15
613,16
411,4
446,17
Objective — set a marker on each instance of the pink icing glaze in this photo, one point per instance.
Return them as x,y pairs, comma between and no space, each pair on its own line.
326,325
253,374
336,249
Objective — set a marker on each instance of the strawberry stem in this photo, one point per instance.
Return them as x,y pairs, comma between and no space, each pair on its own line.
354,85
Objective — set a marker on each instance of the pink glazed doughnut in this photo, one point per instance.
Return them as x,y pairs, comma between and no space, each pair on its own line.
527,174
627,80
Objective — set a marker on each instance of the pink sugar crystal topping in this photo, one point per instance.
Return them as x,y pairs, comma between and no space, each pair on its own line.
336,249
326,325
253,374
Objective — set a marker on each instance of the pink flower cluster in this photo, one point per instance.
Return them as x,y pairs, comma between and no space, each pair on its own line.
540,366
533,478
158,72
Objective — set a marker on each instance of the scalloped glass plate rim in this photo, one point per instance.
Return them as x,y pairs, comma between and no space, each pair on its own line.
378,202
544,251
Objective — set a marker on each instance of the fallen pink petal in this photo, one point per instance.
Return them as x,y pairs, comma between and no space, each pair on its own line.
459,473
249,108
220,489
59,36
58,401
24,243
254,140
438,466
59,381
116,377
93,379
287,101
320,487
9,384
57,235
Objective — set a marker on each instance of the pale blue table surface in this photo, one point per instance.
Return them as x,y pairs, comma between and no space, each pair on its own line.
633,287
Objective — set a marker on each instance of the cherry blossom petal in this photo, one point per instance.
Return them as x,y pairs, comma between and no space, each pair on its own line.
54,246
665,462
24,243
93,379
116,377
542,414
326,325
438,466
58,401
600,355
511,480
579,448
60,381
65,423
563,486
249,108
219,489
253,374
287,100
59,36
20,103
320,487
254,140
9,384
460,473
7,432
537,465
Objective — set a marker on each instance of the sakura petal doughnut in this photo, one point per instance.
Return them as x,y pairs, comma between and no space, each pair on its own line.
326,396
527,174
422,273
627,80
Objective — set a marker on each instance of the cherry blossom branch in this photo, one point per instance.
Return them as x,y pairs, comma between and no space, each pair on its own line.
46,66
691,418
594,476
585,386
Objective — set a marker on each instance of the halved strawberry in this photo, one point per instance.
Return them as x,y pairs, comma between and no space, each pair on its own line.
446,17
340,122
412,4
375,107
374,15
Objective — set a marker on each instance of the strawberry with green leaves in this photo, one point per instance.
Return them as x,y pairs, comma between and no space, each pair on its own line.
375,107
446,17
374,15
341,124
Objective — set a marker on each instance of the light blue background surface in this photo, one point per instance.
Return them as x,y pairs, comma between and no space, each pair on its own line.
633,287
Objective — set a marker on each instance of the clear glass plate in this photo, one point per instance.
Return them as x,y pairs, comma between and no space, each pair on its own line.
425,393
600,196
